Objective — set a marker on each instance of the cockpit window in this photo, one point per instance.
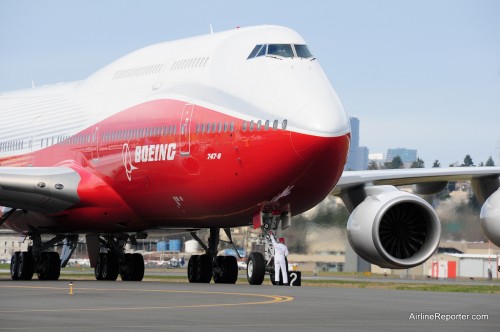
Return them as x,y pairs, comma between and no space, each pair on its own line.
262,51
302,51
281,50
284,50
255,51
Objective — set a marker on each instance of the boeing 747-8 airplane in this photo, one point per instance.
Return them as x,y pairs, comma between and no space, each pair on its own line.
229,129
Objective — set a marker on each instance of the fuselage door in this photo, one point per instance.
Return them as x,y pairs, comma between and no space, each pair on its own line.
185,130
95,144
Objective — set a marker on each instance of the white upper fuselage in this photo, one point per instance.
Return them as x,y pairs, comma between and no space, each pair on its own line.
211,71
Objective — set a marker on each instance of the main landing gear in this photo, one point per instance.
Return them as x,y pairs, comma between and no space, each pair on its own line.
223,269
259,264
113,260
46,264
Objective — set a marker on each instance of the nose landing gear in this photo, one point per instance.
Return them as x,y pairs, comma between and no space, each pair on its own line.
259,264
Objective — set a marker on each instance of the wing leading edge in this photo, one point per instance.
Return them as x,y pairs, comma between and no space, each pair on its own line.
352,185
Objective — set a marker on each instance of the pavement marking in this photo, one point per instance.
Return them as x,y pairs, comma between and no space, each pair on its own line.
266,299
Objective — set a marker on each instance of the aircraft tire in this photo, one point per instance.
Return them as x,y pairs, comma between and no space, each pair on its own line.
54,265
204,269
14,263
126,268
137,267
49,267
98,267
192,268
256,268
219,277
25,266
230,266
110,268
132,267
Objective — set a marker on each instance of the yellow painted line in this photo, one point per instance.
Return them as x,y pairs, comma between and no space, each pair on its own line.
266,299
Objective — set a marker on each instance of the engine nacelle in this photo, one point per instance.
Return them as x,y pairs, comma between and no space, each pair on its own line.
394,229
490,218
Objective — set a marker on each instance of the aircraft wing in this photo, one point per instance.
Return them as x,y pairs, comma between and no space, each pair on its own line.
397,229
40,189
485,180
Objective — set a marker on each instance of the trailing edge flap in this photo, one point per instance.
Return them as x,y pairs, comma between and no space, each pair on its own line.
39,189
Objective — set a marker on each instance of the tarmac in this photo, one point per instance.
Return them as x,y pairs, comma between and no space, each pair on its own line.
164,306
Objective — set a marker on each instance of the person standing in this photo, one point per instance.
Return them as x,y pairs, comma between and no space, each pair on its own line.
280,253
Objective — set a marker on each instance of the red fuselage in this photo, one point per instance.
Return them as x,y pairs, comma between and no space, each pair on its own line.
204,132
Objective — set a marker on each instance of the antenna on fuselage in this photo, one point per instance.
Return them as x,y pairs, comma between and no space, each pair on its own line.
211,29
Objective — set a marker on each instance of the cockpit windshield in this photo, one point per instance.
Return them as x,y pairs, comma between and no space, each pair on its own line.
284,50
302,51
281,50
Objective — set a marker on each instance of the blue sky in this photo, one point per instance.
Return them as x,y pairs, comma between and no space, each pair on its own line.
418,74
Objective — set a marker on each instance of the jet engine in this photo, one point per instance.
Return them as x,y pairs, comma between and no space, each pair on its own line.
490,218
394,229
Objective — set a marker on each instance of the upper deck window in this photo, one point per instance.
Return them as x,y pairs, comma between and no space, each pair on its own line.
281,50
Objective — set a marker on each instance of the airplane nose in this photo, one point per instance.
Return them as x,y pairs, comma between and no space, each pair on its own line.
324,159
319,123
324,118
310,147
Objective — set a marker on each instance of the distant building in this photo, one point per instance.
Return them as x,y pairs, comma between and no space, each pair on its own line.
378,158
408,156
357,159
10,242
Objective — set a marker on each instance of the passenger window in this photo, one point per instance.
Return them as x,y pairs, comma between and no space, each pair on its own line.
231,127
214,127
275,124
267,125
220,127
244,127
225,126
259,124
284,50
284,124
251,125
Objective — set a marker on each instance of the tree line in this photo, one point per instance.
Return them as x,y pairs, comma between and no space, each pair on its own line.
397,163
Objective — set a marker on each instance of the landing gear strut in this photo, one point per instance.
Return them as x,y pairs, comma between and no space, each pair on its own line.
114,261
259,264
201,268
